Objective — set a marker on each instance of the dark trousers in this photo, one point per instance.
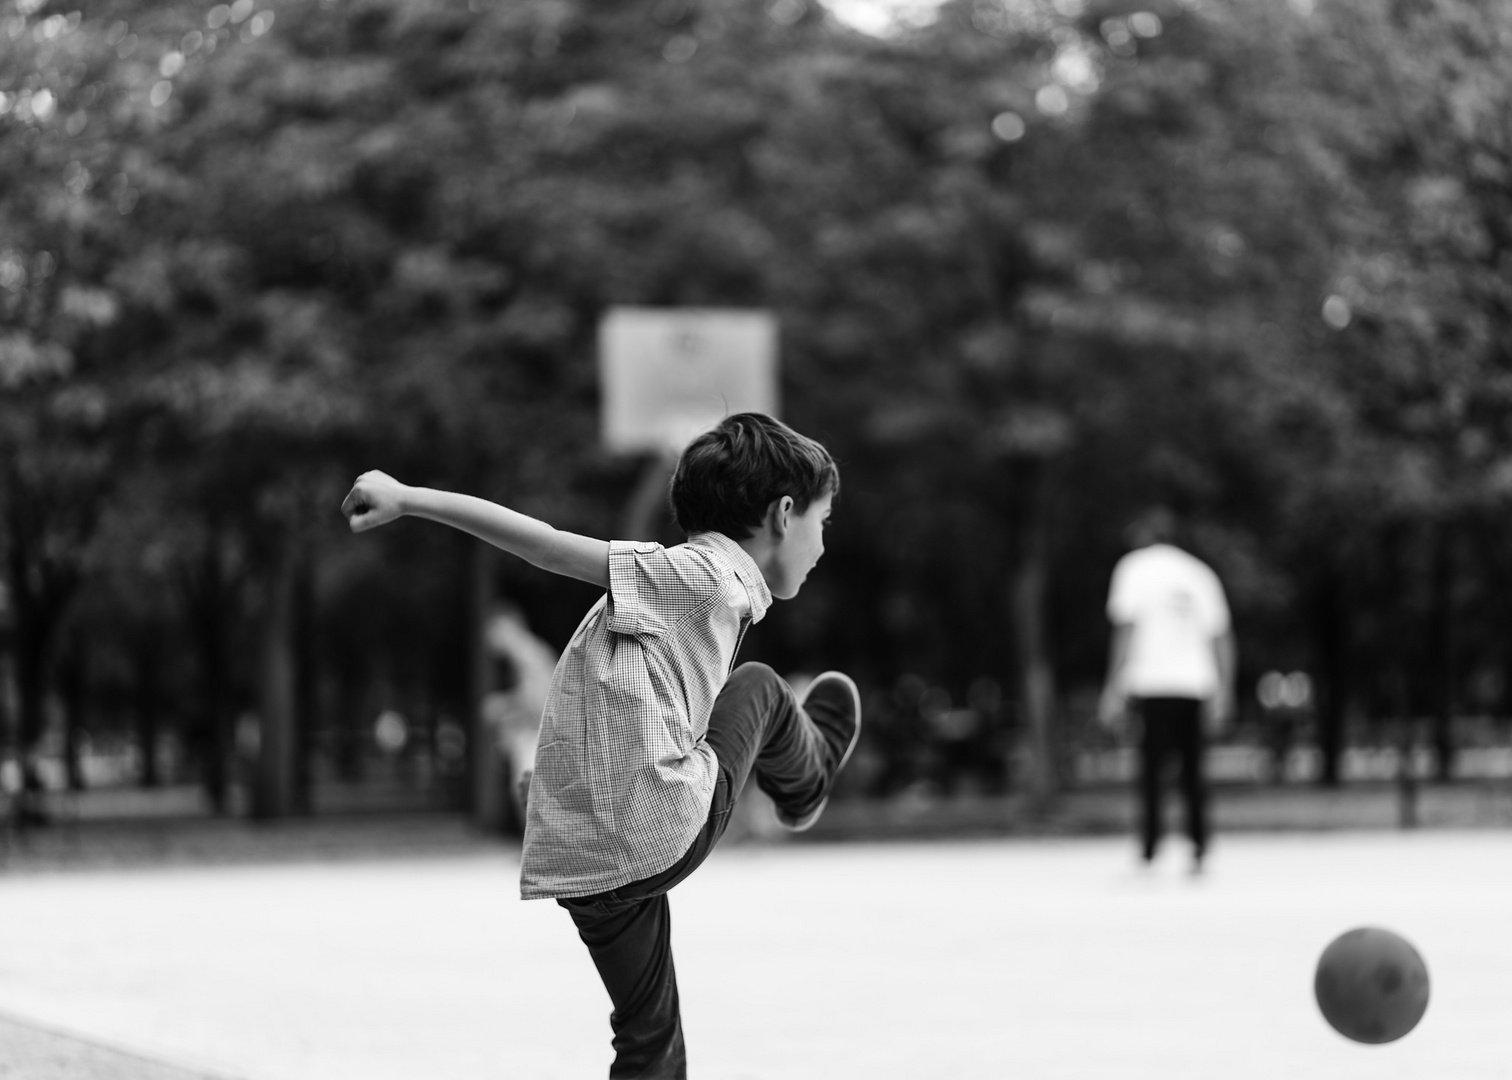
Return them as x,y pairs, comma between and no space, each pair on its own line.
1172,728
756,725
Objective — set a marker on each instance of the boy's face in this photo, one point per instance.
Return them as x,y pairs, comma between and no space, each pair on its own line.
799,548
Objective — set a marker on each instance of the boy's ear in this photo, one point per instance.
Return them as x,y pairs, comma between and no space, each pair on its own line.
778,514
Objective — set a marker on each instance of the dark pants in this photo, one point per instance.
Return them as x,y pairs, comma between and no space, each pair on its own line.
1172,728
756,725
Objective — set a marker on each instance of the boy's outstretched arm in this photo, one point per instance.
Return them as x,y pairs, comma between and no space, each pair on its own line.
377,498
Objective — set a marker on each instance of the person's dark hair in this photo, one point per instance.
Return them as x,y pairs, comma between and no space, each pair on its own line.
727,477
1153,525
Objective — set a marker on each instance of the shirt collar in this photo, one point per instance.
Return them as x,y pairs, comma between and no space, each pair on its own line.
745,568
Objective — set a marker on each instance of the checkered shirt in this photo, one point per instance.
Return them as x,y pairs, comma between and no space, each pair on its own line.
623,774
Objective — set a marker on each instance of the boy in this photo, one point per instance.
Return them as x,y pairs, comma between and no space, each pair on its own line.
648,735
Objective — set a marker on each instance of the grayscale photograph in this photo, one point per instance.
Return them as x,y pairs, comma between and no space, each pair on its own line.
755,539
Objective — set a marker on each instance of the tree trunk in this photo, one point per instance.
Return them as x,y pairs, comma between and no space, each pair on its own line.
1027,609
274,782
217,734
1441,646
1406,738
208,599
351,704
487,781
36,619
305,676
7,689
75,687
1333,657
31,684
146,702
40,594
33,655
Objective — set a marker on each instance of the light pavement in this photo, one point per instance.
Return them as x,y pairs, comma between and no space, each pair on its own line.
30,1052
1047,959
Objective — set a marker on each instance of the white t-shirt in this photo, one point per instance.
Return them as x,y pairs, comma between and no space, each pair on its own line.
1175,608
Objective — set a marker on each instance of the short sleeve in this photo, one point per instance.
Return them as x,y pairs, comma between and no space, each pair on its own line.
1122,602
1217,609
653,588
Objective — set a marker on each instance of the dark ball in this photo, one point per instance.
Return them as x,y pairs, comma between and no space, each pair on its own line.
1371,985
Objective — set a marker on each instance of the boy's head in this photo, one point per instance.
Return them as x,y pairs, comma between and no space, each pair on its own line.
728,477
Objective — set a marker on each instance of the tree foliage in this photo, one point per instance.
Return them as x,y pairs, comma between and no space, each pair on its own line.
1036,264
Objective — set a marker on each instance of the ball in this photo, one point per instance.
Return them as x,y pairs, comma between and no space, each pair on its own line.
1371,985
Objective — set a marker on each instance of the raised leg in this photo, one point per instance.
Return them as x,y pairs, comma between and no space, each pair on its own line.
757,726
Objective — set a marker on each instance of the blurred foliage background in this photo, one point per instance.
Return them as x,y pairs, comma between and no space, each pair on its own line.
1037,265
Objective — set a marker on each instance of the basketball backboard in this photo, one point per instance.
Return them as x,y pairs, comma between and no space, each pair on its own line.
666,374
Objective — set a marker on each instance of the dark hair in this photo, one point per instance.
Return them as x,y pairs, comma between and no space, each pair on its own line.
1153,525
727,477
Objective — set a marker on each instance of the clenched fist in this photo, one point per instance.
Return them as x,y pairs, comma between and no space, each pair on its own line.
375,499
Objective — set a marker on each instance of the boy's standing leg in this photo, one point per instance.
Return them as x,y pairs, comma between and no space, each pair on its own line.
796,750
630,940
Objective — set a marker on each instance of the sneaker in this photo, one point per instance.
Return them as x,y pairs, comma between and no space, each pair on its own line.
834,704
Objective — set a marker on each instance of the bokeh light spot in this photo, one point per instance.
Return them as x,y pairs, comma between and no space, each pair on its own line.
786,12
1277,690
43,105
992,20
1336,312
1051,100
1073,67
680,48
160,93
76,177
12,271
391,731
1116,33
1009,126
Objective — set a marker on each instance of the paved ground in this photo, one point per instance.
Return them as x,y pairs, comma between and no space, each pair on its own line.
991,958
32,1052
165,830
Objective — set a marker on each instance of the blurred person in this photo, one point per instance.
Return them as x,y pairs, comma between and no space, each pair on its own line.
523,665
1171,665
648,736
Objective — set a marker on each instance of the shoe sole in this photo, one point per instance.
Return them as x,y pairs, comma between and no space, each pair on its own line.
805,822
